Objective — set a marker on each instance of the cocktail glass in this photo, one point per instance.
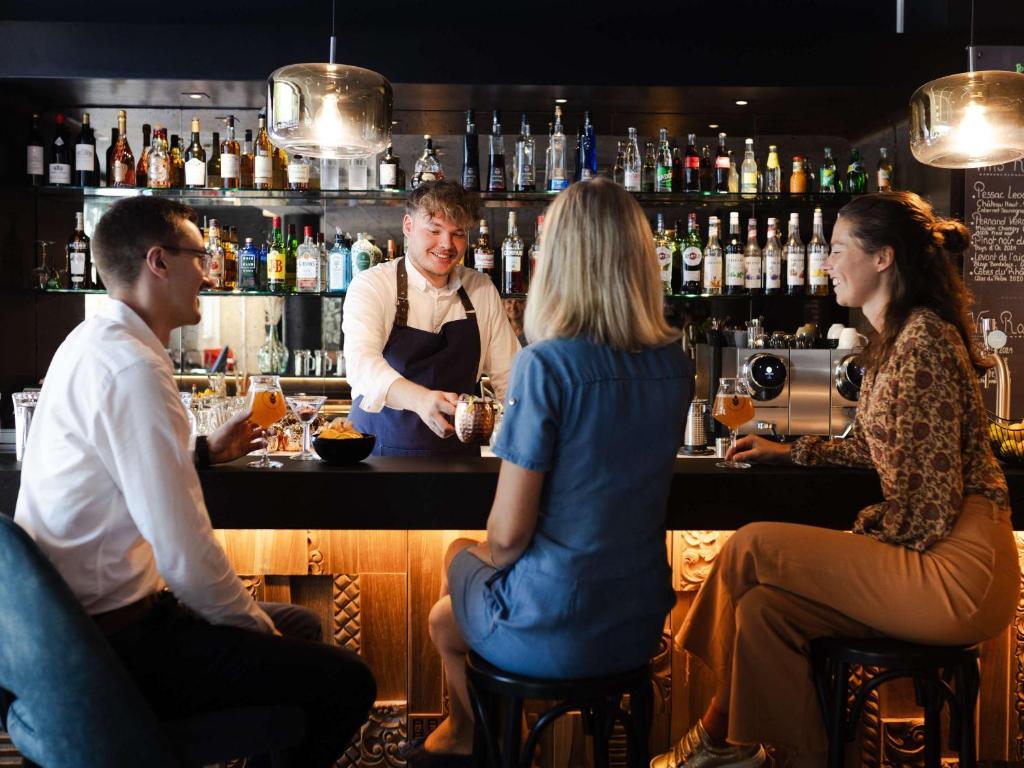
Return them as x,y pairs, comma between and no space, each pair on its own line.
305,408
266,401
733,408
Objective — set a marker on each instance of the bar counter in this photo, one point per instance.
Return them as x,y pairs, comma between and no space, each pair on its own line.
399,493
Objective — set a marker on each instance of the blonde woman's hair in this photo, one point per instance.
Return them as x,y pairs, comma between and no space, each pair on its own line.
598,274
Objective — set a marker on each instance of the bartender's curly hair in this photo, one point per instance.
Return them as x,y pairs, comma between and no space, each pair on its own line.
444,198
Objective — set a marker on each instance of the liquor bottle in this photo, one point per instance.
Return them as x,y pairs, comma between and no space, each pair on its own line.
588,153
512,259
214,173
428,167
632,164
109,176
246,160
753,265
496,155
392,251
707,168
86,163
122,158
362,253
483,255
713,260
618,170
277,273
34,154
387,172
578,155
796,258
649,169
280,168
321,248
772,261
298,173
827,173
535,248
773,172
798,178
142,168
817,252
215,251
748,171
159,173
230,244
307,264
884,171
722,166
471,155
60,156
663,164
692,257
691,166
557,178
339,264
663,250
735,268
677,172
195,160
734,174
263,158
358,174
525,174
177,163
79,257
856,178
676,236
291,245
230,159
248,264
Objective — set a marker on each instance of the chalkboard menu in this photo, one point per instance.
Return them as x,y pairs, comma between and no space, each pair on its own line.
994,266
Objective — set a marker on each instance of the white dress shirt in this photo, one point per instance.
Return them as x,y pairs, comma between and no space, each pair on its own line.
369,315
108,487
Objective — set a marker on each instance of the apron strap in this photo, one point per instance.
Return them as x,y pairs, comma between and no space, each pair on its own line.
467,304
402,306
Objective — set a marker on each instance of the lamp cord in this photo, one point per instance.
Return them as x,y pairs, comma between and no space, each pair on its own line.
334,39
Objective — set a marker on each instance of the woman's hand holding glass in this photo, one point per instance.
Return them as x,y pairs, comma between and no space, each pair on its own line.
759,450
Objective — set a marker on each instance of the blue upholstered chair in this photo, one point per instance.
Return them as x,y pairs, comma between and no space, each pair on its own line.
67,702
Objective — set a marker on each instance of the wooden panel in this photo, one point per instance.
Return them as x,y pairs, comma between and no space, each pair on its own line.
278,589
383,632
279,552
358,551
315,593
426,563
995,726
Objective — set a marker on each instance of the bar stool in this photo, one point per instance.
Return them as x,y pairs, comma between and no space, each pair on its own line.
497,698
941,674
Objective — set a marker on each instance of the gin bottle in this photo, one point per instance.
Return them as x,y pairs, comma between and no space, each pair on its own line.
557,177
631,165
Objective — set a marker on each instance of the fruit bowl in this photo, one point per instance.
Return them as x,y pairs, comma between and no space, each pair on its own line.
348,450
1007,439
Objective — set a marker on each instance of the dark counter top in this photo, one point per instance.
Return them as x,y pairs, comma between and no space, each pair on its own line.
412,493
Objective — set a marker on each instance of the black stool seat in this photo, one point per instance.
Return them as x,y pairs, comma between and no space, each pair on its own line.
941,674
497,697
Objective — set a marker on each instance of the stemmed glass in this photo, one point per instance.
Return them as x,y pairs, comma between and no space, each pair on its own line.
305,408
734,408
266,402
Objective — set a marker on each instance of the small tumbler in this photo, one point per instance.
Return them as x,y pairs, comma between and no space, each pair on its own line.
24,408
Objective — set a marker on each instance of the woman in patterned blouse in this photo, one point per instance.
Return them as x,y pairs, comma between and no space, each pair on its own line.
935,562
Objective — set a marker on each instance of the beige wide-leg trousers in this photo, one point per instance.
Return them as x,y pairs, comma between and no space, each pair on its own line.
777,586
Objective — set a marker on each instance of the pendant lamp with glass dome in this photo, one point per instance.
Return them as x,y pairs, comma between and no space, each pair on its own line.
328,109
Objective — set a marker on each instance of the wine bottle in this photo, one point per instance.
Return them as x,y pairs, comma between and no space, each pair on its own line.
86,163
122,158
142,169
195,160
230,159
60,156
79,258
34,152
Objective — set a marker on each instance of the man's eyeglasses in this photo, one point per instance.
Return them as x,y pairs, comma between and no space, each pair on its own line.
179,249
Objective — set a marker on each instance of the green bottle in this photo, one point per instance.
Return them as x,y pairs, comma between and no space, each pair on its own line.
291,246
856,178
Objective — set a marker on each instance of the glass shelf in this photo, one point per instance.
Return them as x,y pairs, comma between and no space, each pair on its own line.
238,197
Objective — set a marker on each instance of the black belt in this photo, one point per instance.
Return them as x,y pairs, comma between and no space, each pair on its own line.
111,622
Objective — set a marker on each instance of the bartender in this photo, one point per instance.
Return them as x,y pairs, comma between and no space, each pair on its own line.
420,330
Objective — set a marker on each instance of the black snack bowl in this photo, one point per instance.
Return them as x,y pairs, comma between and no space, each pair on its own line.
345,450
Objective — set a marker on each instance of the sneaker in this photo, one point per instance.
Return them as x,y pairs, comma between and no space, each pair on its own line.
695,750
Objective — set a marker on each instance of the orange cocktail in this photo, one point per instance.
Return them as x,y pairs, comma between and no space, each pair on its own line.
268,407
733,410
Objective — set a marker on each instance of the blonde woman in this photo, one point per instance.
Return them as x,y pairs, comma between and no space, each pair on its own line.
573,580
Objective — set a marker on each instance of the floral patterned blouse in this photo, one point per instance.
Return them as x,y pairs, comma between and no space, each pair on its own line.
922,425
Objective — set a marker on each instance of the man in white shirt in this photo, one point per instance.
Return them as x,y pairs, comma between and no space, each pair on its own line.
419,331
110,493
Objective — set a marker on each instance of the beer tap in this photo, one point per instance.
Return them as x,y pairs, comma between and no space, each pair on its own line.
994,340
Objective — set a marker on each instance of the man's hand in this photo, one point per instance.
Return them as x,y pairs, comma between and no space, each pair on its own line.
433,409
236,437
760,450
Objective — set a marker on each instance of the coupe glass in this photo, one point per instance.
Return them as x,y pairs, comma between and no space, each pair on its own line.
734,408
266,401
305,408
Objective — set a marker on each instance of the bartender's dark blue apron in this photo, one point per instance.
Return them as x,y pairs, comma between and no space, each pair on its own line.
447,361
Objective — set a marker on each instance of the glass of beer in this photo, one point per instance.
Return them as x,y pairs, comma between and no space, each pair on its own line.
268,406
734,408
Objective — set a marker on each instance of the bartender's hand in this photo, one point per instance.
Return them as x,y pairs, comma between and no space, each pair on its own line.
235,438
760,450
434,408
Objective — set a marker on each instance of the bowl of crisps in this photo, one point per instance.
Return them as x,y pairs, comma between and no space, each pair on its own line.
340,443
1007,439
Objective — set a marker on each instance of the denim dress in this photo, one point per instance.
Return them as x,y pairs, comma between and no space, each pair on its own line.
590,593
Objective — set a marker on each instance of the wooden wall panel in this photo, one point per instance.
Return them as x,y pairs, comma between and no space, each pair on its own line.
383,629
426,563
266,551
358,551
996,728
